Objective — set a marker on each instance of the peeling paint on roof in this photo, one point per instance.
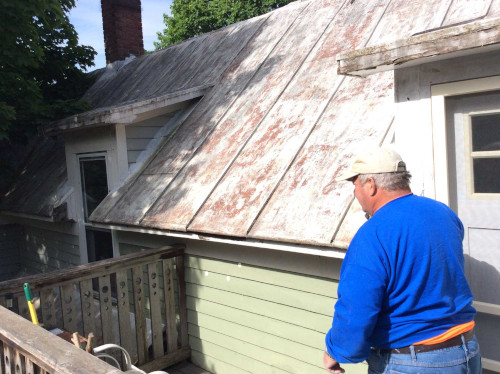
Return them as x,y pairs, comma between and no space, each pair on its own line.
258,156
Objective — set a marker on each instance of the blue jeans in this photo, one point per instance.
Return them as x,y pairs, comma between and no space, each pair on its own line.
463,359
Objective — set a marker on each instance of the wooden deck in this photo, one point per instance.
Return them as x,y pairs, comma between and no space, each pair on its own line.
186,368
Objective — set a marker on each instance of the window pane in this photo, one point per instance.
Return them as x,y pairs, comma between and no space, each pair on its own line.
486,132
487,175
94,183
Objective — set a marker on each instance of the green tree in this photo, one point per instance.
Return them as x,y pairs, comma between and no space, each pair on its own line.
41,66
195,17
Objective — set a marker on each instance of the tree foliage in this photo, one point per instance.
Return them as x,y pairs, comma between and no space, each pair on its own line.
195,17
41,66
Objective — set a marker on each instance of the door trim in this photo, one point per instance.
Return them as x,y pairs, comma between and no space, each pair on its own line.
439,92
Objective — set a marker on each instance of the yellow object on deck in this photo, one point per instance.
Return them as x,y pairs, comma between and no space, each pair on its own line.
29,299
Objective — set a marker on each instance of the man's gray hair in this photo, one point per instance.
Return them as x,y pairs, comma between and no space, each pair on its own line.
389,181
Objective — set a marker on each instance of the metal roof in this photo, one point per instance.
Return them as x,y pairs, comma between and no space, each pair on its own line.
42,188
258,156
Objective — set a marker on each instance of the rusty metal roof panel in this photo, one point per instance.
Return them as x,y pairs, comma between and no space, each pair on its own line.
259,154
466,10
235,127
405,18
191,134
197,61
249,183
309,205
494,9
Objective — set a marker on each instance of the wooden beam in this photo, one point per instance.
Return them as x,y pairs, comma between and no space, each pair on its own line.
475,37
46,350
168,360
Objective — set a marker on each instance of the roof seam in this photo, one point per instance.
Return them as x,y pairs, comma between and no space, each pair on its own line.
310,131
214,49
238,153
133,178
218,122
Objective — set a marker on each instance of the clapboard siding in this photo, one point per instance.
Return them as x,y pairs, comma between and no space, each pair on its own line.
300,282
45,250
258,319
140,135
10,240
246,318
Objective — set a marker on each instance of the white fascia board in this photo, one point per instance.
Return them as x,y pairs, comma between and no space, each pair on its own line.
126,114
332,252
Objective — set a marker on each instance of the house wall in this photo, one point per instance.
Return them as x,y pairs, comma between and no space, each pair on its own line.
37,247
420,146
10,238
140,134
254,310
87,141
413,122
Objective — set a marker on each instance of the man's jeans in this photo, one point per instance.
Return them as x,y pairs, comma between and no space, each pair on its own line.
463,358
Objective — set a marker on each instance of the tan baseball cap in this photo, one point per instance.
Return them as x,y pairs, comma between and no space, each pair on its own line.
375,160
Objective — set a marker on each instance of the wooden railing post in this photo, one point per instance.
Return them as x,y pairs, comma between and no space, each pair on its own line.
39,348
118,301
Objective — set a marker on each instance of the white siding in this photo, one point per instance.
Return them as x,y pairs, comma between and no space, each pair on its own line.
139,135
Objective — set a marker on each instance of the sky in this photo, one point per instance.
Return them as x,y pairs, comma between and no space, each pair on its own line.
87,19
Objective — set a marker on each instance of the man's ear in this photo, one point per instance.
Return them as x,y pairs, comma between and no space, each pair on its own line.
373,187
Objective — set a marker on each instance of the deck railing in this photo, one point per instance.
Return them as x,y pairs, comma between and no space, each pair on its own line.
129,301
29,349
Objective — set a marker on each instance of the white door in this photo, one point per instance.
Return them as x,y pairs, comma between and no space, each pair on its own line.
473,137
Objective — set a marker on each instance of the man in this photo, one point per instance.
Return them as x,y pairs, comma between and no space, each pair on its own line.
403,303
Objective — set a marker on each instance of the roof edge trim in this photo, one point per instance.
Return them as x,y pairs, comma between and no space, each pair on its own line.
27,215
453,41
123,114
333,252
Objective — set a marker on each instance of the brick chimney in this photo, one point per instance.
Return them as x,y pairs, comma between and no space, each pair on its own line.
122,26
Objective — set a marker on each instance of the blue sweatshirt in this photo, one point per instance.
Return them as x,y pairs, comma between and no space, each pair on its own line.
402,280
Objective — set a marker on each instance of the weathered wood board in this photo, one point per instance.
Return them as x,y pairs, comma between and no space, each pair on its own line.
127,340
140,316
169,290
155,309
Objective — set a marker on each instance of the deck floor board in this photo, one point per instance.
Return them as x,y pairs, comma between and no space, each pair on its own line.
186,368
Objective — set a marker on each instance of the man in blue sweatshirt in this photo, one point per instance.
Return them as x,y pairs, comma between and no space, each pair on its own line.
404,304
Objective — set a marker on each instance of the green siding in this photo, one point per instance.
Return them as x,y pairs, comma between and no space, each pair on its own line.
256,319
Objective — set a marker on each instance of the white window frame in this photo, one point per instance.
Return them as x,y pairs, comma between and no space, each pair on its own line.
85,225
439,93
470,155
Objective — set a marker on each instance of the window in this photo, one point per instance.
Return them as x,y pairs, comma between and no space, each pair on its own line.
483,153
94,181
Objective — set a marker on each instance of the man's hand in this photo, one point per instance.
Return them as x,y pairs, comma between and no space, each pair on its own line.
331,365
